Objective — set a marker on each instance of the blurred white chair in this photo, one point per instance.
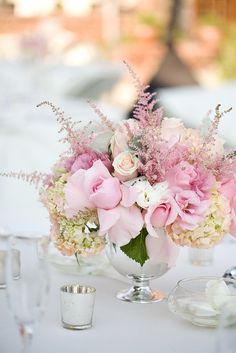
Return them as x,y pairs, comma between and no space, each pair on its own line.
31,8
76,8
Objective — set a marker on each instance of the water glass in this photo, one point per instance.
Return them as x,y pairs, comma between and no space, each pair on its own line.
27,292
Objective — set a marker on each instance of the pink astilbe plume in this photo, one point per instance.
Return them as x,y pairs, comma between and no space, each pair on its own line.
206,155
102,117
213,130
209,140
225,167
78,139
156,159
34,178
145,110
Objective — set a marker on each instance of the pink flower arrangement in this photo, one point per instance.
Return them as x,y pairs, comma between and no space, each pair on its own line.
156,176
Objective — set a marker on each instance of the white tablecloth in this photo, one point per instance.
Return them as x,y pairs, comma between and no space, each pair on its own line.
119,326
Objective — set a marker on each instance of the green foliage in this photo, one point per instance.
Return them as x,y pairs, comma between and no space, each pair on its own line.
136,248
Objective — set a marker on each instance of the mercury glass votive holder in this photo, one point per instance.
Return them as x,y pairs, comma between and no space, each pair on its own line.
77,304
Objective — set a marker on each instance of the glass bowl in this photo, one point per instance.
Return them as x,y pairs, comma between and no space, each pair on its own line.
191,301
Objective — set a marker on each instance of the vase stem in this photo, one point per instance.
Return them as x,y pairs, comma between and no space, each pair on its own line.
140,292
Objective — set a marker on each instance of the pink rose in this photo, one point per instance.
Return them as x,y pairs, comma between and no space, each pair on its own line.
161,215
92,188
104,157
192,209
86,160
228,190
162,248
181,175
233,216
184,176
121,223
202,183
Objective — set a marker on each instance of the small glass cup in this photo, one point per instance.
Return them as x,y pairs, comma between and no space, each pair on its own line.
201,257
77,303
3,257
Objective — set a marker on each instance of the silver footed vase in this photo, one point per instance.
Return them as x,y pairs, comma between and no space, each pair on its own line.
140,290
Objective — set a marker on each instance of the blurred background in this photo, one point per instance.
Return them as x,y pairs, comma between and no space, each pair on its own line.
66,51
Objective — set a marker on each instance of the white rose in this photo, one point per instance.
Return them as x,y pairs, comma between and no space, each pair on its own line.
126,166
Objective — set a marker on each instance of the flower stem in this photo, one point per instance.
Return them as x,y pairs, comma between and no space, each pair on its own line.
77,259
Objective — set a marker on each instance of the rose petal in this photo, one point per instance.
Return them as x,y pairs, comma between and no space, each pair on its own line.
98,169
75,194
129,195
162,248
107,218
121,223
108,196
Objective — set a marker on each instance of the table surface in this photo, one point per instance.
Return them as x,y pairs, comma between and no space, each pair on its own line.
120,326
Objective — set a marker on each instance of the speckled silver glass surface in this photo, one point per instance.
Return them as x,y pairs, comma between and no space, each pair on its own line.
77,303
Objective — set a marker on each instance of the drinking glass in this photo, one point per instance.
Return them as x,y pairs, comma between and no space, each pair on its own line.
226,333
27,292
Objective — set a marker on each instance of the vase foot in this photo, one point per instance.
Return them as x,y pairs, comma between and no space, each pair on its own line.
140,295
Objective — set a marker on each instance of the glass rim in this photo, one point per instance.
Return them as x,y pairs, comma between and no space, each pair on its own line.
25,235
181,282
77,288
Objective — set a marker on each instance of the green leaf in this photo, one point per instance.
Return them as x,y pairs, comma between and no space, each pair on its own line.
136,248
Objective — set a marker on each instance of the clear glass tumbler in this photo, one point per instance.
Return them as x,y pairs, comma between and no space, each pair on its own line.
27,292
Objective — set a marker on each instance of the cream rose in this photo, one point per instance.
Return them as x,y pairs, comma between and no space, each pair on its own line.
171,127
126,166
122,136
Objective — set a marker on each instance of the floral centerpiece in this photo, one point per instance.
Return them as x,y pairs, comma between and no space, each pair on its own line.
130,179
